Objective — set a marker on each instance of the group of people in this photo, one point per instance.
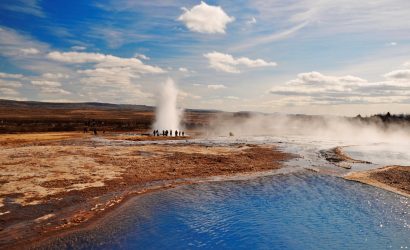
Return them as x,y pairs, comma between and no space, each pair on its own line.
169,133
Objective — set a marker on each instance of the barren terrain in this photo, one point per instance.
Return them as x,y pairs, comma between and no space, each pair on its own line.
392,178
52,182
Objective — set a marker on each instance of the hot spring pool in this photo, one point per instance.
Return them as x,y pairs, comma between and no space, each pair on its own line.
295,211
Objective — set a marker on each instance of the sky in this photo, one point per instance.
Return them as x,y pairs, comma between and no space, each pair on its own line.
334,57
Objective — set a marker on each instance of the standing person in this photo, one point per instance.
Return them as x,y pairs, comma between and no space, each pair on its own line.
176,133
183,133
170,132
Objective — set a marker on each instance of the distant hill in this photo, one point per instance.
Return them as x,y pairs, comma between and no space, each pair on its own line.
81,105
31,116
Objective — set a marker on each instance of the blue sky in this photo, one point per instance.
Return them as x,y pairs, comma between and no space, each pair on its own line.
297,56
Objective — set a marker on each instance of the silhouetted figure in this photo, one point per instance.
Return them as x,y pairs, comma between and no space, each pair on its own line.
183,133
176,133
85,130
166,132
95,131
180,133
170,132
154,132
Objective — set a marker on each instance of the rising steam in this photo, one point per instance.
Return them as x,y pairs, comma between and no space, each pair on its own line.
318,127
167,115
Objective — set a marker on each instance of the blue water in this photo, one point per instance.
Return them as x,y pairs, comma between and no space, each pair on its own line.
294,211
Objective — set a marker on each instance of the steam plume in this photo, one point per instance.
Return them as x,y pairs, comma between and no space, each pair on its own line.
167,114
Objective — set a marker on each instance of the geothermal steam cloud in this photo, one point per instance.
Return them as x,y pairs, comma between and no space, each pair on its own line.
167,114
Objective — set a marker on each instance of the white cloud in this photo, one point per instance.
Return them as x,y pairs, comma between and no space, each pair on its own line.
10,76
216,86
184,70
183,95
78,48
142,56
401,74
104,61
30,51
205,18
227,63
232,97
50,87
116,75
260,40
251,21
43,83
9,92
55,76
10,84
8,87
31,7
12,45
392,44
76,57
316,88
337,16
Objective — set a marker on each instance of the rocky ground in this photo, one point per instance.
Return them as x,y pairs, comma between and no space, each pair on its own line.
392,178
51,182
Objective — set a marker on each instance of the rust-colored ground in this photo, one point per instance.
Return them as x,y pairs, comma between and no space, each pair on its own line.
51,182
392,178
397,177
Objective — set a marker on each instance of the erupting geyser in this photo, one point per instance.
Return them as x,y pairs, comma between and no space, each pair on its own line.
167,114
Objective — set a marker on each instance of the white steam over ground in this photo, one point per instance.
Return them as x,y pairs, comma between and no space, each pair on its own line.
167,115
318,127
372,141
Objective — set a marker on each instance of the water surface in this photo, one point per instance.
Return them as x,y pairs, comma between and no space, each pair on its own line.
294,211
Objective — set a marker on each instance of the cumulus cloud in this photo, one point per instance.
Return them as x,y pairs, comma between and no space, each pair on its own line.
116,74
30,51
184,70
50,87
401,74
317,88
43,83
205,18
228,63
142,56
10,76
8,92
9,84
104,61
216,86
55,76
